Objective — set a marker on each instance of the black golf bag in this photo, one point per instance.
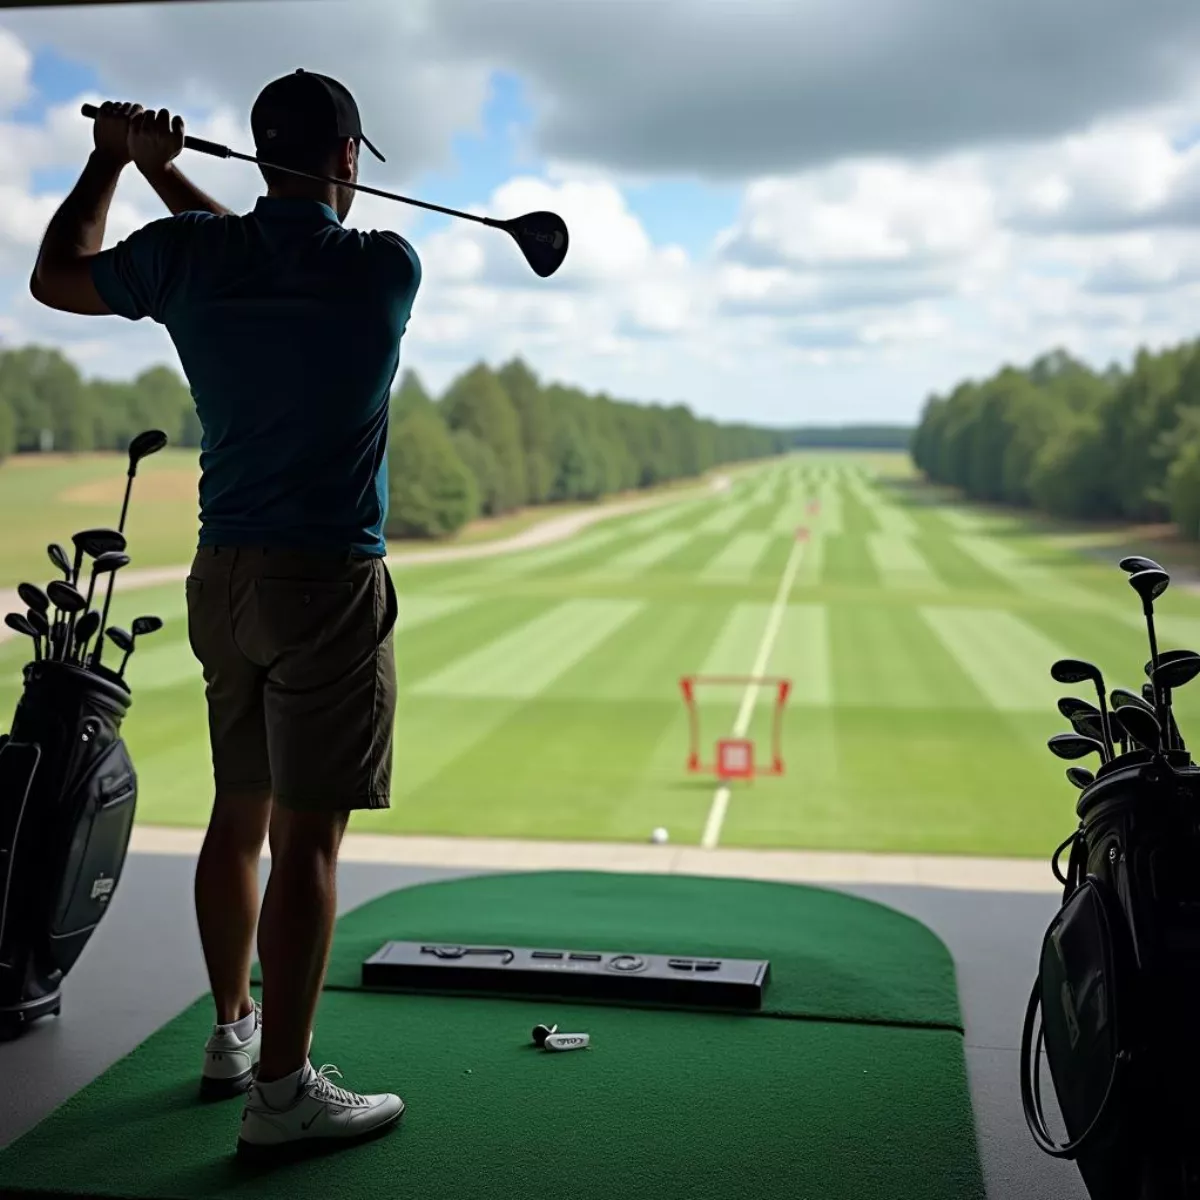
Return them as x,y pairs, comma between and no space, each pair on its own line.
1119,986
67,796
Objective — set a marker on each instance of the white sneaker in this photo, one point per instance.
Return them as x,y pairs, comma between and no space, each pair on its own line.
320,1116
230,1062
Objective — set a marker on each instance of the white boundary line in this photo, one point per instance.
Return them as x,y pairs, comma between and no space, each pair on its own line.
720,802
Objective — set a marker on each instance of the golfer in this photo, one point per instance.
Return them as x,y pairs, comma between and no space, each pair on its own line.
288,328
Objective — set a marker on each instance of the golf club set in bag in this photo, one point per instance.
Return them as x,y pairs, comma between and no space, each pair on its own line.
67,785
1118,985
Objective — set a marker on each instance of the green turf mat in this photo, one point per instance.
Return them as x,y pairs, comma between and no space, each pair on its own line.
664,1104
833,956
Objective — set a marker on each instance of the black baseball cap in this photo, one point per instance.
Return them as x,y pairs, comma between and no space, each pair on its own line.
304,109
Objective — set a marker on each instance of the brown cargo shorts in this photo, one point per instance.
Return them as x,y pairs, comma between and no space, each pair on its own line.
300,672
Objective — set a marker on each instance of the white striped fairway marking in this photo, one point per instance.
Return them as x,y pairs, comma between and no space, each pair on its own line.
720,802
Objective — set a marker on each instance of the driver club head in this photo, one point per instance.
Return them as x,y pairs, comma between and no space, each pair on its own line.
1149,584
1175,672
1166,656
1138,562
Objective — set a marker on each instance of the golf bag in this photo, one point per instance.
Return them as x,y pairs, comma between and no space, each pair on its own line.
1119,986
67,796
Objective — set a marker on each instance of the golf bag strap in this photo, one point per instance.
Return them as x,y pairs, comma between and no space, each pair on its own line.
1031,1091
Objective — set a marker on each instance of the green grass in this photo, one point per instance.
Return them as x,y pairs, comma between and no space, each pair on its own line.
46,497
540,691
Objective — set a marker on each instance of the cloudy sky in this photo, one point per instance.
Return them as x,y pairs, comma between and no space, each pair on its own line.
807,212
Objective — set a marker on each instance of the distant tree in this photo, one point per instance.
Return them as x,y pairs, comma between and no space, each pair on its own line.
476,402
485,468
411,397
432,493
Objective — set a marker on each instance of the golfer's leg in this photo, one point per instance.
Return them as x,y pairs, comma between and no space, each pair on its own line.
226,882
295,932
226,893
330,708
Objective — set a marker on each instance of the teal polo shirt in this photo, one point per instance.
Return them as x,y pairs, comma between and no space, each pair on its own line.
288,329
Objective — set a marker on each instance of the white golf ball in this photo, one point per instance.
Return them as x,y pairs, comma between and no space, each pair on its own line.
659,835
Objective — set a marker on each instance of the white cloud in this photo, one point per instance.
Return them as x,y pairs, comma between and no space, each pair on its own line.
16,69
844,291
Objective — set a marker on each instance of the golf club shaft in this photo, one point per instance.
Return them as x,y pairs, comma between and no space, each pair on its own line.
219,151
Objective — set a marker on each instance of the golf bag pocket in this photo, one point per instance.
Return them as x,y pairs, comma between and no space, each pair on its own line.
1084,993
99,818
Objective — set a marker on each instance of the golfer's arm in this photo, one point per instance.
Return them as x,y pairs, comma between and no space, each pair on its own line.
62,274
180,195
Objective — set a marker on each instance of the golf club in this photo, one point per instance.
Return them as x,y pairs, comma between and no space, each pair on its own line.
1138,562
141,627
1080,776
1173,673
1174,737
21,625
58,556
88,624
541,236
33,597
41,627
1149,585
93,543
1075,670
1124,698
123,641
1143,726
150,441
68,603
1074,745
110,564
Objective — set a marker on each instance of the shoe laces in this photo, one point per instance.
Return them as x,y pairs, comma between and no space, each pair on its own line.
323,1087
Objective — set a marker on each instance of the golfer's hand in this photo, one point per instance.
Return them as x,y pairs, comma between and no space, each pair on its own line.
155,138
111,130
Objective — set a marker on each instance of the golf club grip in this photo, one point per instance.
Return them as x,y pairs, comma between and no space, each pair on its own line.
189,143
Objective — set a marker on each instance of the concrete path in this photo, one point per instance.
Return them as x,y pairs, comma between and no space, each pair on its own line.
786,866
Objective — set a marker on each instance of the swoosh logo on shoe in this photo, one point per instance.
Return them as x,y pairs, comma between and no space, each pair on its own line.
307,1125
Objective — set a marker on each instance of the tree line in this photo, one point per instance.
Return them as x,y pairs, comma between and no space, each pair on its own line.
495,441
1068,441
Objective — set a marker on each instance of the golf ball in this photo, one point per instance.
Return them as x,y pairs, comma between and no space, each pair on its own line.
659,835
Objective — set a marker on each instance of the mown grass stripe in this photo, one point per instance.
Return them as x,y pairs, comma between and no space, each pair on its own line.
736,562
525,661
901,564
1007,659
641,555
